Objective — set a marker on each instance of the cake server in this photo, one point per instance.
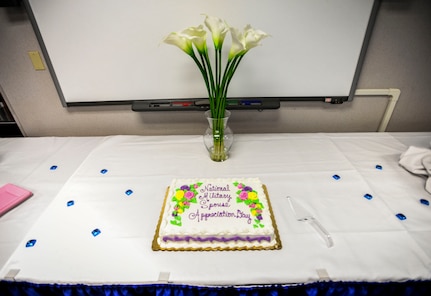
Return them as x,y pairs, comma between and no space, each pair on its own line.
302,215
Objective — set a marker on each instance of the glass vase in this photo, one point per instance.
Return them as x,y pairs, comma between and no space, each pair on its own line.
218,137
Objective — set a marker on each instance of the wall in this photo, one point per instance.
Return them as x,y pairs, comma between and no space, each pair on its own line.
398,57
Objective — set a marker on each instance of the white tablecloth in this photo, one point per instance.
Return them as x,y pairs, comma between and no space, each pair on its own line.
371,243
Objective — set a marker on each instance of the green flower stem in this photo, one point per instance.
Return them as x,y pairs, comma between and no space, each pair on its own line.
218,66
203,72
231,69
218,114
218,153
217,86
217,103
209,72
192,41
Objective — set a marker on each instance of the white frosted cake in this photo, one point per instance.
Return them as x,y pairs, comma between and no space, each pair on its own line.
216,214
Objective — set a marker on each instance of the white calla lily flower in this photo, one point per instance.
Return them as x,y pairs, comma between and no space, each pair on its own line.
198,36
195,38
238,43
218,29
216,79
181,41
252,37
243,41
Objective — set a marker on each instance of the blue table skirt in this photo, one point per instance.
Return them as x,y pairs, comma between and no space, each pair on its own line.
413,288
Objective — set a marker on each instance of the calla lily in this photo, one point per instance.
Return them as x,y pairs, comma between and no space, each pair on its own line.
198,36
245,40
238,44
218,29
216,81
181,41
253,37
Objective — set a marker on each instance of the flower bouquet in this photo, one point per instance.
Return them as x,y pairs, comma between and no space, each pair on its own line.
193,41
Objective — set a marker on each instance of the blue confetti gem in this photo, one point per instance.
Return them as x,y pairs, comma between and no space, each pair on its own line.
30,243
104,171
336,177
425,202
53,168
96,232
129,192
379,167
70,203
401,216
368,196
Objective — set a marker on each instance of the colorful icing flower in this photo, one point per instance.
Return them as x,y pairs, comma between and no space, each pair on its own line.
243,195
252,195
247,195
179,194
182,198
189,195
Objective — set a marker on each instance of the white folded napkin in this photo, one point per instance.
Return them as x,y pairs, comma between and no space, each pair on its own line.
417,160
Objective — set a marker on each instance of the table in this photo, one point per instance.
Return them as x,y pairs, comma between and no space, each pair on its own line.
371,245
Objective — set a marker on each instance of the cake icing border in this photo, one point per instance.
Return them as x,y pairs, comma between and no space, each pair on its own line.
155,246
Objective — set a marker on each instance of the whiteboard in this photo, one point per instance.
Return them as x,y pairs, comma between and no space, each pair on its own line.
110,50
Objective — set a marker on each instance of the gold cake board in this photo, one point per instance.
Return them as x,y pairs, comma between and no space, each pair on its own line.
156,246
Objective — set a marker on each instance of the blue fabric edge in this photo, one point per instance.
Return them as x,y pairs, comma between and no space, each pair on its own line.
413,288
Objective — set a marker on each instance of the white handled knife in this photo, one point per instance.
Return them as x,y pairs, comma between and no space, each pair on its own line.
302,215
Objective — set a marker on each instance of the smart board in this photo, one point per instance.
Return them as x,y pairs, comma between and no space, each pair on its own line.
105,51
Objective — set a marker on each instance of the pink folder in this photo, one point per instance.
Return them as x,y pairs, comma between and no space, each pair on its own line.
12,195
